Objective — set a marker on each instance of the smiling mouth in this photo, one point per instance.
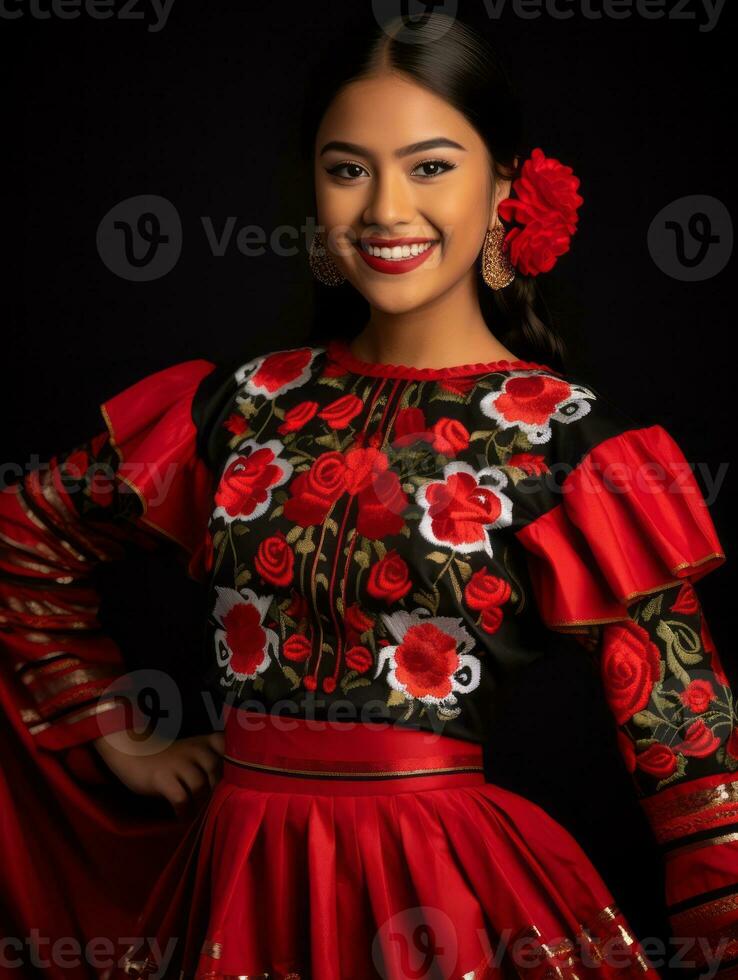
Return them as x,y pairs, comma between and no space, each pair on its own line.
395,256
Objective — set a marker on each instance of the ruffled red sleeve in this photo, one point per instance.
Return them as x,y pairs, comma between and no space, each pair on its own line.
153,432
628,520
137,484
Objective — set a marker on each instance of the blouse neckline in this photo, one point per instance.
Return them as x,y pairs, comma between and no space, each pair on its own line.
338,350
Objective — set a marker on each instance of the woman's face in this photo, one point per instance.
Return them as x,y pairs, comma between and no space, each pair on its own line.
376,185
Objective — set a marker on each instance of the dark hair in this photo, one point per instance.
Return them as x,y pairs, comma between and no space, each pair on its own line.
455,62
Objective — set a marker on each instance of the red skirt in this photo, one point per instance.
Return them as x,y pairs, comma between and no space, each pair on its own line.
368,851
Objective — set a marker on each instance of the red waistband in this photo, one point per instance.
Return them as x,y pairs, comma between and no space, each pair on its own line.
262,749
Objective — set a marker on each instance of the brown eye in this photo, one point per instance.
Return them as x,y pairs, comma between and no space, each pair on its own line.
435,167
353,167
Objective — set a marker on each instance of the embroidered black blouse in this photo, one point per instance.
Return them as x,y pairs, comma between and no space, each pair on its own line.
385,542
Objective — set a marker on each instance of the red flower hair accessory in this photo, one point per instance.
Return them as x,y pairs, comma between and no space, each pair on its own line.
545,204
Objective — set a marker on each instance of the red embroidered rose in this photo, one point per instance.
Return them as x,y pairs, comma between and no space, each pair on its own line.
297,647
658,760
357,620
484,590
426,661
630,667
297,416
247,481
698,741
531,399
309,683
459,509
339,413
298,607
280,369
313,492
697,696
449,436
627,751
491,619
389,578
236,424
545,205
409,427
381,506
329,684
245,637
459,386
686,603
531,463
358,658
275,560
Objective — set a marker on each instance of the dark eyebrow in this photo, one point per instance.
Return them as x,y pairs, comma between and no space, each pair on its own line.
404,151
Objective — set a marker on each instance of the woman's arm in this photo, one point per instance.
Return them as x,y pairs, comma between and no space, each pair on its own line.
129,487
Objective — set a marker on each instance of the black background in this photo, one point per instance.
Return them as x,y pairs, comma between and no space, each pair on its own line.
205,112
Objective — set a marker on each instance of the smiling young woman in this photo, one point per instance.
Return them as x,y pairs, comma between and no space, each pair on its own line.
385,546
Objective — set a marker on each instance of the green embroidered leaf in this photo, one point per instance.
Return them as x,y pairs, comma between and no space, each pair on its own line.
321,579
258,683
665,632
479,434
361,558
465,569
291,676
304,547
239,528
643,743
681,767
360,682
380,549
652,608
423,600
647,719
395,698
294,534
438,557
242,578
277,512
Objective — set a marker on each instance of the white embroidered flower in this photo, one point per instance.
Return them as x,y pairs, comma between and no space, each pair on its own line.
531,400
244,647
430,662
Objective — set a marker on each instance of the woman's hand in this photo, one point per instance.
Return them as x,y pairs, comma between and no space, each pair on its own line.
184,772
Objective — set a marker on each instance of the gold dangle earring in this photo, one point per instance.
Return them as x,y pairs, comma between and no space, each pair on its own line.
323,267
497,269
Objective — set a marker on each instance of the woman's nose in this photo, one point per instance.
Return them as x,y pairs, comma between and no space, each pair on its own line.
390,203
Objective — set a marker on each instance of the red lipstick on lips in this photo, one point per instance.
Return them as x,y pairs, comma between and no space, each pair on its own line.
395,266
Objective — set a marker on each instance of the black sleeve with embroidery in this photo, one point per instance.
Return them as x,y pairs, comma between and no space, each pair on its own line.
614,545
131,486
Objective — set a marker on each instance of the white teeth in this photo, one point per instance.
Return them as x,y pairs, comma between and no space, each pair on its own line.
397,252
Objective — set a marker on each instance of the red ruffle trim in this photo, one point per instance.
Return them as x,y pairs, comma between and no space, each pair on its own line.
339,351
632,520
152,429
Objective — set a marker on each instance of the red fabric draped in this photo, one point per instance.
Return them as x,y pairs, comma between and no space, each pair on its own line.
631,520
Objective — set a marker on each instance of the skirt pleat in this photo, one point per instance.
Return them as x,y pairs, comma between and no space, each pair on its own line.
325,871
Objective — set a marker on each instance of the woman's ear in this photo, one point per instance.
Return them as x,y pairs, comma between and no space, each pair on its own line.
502,191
